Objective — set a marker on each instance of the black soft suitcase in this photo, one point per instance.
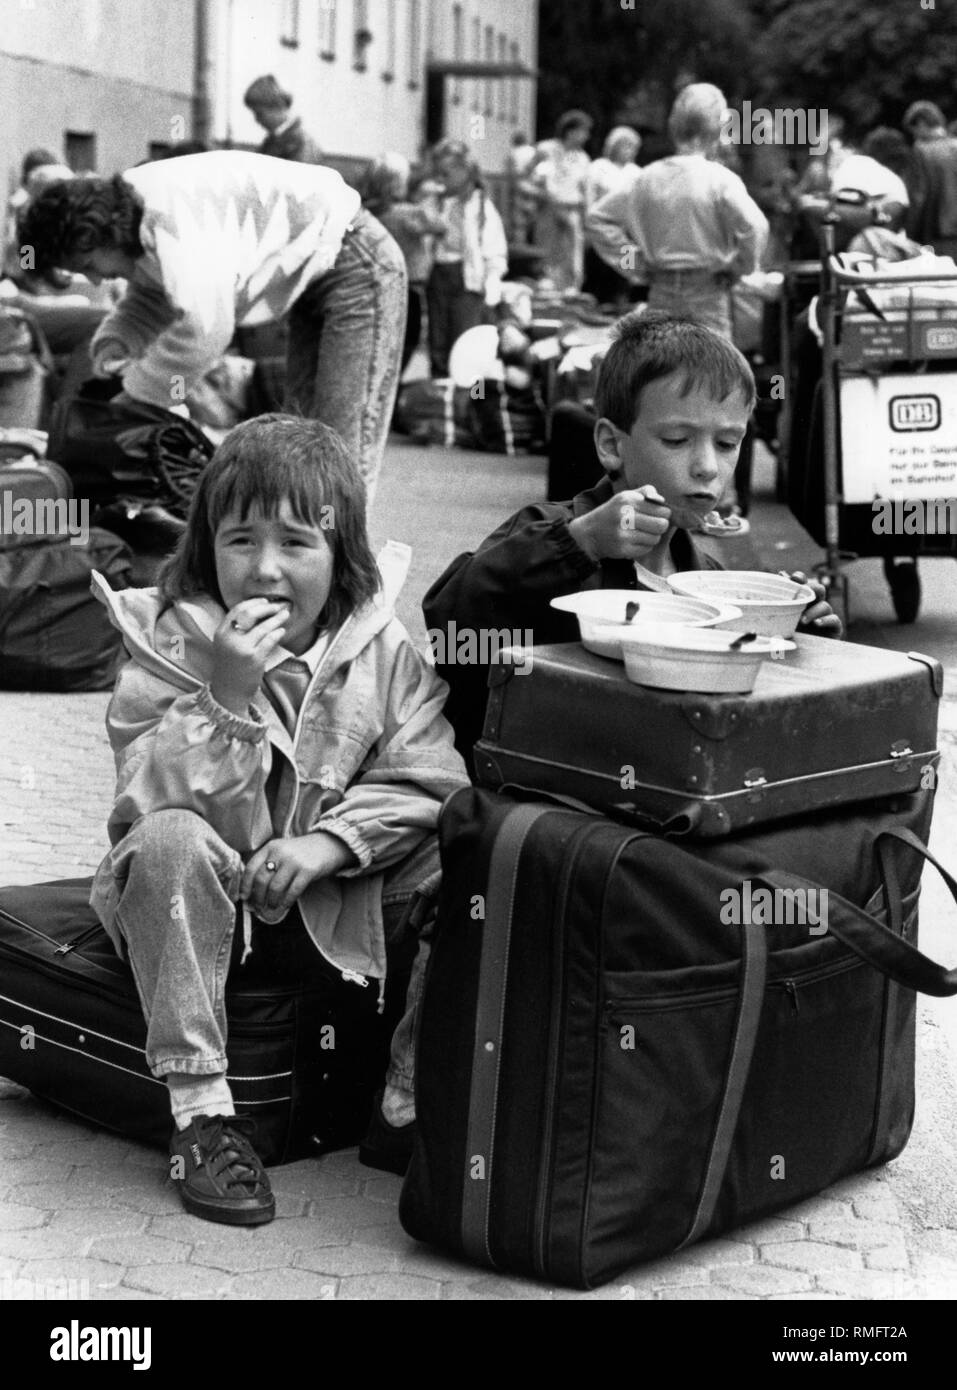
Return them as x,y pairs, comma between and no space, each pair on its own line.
619,1054
834,722
305,1056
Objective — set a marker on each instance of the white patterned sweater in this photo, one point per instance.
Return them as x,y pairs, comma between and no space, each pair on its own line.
229,238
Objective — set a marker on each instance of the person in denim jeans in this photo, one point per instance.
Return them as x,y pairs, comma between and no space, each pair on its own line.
215,241
282,756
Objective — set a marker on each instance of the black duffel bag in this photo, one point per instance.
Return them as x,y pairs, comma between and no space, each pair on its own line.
619,1053
130,453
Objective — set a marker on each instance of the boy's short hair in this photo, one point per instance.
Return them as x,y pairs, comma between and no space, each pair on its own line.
266,91
73,217
261,463
650,345
697,113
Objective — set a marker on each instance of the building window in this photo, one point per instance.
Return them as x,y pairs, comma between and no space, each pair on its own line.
513,88
503,82
80,150
489,58
289,30
327,29
415,43
362,34
388,72
477,55
455,86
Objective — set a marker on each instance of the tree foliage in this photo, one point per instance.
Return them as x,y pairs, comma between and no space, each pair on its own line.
593,53
869,61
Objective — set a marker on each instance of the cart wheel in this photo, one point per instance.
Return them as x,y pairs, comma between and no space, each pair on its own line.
904,583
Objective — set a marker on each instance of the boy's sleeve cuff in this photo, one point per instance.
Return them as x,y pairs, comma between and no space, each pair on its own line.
572,552
230,725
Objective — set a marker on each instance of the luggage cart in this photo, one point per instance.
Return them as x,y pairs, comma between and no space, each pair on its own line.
889,407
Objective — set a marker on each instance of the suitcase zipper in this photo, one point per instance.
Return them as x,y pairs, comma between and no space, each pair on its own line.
656,1004
78,941
59,948
90,986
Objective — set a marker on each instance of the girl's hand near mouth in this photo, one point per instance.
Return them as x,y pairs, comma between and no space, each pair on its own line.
242,644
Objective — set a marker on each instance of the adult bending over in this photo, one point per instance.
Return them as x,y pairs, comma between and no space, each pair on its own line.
211,241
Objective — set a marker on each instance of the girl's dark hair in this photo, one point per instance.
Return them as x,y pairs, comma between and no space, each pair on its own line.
73,217
650,345
260,464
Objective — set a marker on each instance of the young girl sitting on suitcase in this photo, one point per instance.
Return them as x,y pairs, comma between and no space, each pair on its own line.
282,755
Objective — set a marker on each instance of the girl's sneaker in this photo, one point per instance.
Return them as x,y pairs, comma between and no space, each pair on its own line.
220,1175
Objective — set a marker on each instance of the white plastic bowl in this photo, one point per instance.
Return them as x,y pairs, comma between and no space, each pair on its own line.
601,615
700,659
771,605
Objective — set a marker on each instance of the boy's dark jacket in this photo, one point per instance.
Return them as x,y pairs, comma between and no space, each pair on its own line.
509,582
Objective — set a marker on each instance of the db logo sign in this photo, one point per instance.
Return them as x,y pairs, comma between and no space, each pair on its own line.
915,413
941,339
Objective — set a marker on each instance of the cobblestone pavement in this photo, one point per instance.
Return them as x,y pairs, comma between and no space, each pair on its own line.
88,1209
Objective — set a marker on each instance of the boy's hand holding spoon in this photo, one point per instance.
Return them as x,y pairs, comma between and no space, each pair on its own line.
627,527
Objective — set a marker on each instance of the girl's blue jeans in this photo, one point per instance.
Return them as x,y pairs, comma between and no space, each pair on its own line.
344,350
175,920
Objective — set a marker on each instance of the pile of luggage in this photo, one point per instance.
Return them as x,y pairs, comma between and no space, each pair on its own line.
685,1000
118,479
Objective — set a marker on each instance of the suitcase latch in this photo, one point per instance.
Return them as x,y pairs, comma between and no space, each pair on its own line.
901,749
755,777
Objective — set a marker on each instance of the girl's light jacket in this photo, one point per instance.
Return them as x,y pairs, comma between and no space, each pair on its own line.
371,760
485,248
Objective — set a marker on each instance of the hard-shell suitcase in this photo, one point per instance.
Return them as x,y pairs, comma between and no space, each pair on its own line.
621,1053
832,723
305,1055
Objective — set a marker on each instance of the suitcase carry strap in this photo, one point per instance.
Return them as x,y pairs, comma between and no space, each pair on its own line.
883,947
754,965
489,1026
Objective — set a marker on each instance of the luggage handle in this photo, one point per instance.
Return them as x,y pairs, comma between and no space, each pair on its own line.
882,946
878,945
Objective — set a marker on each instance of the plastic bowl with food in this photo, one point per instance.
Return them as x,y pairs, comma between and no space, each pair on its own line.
606,615
705,660
771,605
